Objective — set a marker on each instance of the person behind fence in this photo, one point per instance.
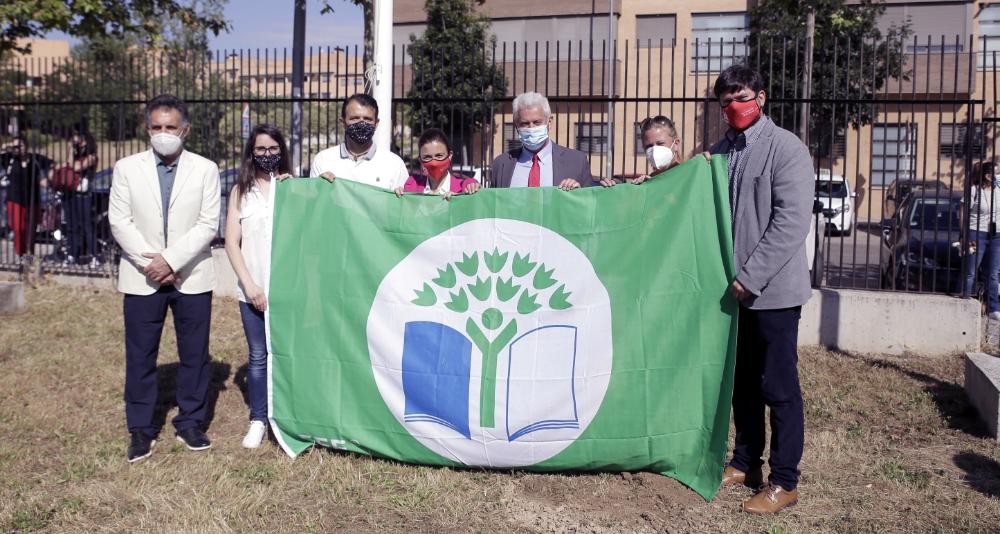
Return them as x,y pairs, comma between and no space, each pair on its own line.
78,200
982,212
435,162
248,245
539,162
164,213
24,173
358,159
771,186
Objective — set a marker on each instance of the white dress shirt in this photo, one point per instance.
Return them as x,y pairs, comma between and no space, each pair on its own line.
380,168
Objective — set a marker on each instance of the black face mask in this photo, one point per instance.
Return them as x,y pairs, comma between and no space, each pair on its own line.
360,132
268,163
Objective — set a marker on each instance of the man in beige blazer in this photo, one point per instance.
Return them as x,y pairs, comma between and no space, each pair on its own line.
164,213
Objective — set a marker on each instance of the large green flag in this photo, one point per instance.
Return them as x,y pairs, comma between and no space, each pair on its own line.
527,328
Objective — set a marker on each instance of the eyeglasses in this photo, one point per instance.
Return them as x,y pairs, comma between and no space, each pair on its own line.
265,150
435,157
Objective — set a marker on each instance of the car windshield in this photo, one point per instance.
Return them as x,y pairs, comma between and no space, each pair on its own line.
937,213
826,189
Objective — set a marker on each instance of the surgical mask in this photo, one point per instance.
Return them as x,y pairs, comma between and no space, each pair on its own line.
740,115
166,144
659,157
360,132
268,163
534,138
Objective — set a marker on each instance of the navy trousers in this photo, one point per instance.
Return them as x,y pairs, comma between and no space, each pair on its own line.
144,317
767,375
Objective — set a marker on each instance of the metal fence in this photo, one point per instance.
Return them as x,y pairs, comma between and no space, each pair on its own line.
894,143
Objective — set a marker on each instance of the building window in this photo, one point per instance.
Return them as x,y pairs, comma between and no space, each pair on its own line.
955,141
592,137
510,138
717,40
653,30
929,23
894,152
989,36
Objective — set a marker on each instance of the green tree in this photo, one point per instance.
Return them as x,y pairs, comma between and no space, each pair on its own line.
852,60
508,277
455,83
93,18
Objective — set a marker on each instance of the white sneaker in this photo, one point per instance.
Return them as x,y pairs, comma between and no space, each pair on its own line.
995,316
255,435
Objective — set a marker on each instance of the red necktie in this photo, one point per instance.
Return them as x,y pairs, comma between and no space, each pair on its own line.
535,174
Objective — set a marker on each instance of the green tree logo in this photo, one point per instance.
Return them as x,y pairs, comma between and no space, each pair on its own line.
515,279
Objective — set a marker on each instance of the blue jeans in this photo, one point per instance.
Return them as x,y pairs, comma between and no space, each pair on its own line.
253,327
990,250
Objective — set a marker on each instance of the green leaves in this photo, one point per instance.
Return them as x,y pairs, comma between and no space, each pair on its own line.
543,279
425,296
526,304
446,277
495,261
459,302
469,264
522,265
558,300
481,289
506,289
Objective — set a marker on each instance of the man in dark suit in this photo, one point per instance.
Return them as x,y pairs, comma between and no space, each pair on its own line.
539,162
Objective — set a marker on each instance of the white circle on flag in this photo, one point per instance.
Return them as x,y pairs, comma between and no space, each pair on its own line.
550,377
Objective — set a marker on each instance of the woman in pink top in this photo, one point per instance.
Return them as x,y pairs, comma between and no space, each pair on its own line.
435,161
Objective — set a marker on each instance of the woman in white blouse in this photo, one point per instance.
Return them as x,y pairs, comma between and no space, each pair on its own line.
248,245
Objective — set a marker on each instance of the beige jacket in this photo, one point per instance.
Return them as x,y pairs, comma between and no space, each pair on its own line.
135,212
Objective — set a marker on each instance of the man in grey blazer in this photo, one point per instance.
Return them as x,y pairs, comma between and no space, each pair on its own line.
771,188
539,162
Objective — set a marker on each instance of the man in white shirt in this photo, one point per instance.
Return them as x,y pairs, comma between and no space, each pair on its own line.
358,159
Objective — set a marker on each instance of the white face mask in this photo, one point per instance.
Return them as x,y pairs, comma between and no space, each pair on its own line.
534,138
166,144
659,157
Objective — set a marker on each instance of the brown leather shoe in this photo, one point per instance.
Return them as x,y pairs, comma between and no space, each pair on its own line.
771,500
732,476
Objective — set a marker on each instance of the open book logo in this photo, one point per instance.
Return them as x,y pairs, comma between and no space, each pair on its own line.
491,343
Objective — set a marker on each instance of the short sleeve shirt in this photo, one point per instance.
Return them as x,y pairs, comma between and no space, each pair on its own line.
380,168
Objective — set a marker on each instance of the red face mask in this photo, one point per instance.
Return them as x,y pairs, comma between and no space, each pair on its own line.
740,115
437,169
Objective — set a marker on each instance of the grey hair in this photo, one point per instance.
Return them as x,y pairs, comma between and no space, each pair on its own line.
531,100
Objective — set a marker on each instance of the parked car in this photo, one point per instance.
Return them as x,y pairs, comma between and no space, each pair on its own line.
898,190
838,202
920,250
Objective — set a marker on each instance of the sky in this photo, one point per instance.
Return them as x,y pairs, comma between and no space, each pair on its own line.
269,24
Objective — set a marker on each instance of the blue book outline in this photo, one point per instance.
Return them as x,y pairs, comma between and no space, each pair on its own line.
546,424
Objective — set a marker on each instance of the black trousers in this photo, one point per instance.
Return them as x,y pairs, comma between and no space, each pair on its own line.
144,317
767,375
80,219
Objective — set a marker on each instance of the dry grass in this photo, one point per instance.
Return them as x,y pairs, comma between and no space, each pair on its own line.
892,446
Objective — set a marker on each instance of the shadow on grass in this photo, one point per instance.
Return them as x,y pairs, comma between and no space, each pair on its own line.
949,397
166,382
981,473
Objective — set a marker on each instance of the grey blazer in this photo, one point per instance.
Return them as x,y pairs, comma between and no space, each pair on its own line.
566,163
772,219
